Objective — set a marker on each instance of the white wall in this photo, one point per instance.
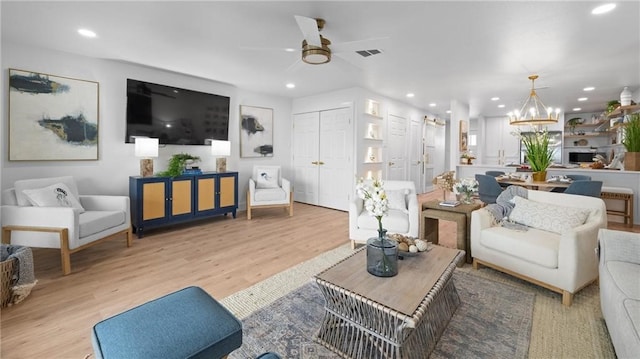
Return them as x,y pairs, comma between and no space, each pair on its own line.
110,173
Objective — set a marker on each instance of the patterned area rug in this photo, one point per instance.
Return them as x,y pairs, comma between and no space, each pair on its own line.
492,321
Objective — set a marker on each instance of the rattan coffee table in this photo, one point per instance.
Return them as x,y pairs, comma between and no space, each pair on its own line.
397,317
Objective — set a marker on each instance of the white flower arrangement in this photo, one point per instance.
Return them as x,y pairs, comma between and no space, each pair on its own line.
465,186
375,199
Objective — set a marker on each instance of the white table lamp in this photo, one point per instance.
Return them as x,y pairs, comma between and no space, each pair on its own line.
147,149
220,148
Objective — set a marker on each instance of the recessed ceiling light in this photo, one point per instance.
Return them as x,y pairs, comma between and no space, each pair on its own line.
495,98
432,105
501,106
289,49
576,108
410,94
87,33
583,99
590,88
448,111
603,9
290,85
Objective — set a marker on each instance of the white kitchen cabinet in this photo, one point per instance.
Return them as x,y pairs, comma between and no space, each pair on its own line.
501,146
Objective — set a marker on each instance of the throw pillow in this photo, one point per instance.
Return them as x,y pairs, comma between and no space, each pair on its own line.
267,178
397,199
56,195
547,216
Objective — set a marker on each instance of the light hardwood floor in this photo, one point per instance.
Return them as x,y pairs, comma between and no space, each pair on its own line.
221,255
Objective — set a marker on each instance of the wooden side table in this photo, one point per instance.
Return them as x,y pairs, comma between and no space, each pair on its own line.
432,212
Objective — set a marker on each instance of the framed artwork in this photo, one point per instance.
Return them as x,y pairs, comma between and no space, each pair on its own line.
52,118
256,131
464,135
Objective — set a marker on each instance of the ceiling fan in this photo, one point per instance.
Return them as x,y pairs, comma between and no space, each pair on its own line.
315,47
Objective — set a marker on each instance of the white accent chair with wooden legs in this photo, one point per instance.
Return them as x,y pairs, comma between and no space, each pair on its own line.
557,249
49,213
267,189
403,216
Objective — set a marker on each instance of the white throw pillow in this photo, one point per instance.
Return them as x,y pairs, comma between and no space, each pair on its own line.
397,199
56,195
547,216
267,178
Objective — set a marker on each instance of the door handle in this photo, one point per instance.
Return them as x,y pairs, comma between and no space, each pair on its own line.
391,163
321,163
314,162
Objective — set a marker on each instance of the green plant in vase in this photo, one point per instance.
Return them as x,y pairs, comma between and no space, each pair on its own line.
538,152
631,142
177,164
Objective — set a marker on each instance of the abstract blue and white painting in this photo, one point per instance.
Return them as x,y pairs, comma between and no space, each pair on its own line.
256,131
52,118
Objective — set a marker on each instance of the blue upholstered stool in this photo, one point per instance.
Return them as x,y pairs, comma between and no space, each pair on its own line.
188,323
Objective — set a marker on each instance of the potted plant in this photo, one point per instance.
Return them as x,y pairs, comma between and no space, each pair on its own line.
538,152
631,143
177,164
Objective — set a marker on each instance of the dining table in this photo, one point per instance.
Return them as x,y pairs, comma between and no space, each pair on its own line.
536,185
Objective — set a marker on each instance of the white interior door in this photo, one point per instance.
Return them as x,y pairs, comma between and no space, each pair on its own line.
336,149
306,145
396,157
415,155
429,148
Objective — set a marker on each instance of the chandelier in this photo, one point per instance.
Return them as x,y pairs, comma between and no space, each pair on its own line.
533,110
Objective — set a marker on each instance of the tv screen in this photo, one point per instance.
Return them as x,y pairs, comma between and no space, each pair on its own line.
175,116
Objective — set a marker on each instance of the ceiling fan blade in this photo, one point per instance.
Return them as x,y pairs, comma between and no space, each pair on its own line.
294,66
366,44
309,28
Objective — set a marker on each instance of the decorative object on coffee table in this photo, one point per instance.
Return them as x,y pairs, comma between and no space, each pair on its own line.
382,253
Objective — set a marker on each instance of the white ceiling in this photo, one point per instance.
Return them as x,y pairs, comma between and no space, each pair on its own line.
441,51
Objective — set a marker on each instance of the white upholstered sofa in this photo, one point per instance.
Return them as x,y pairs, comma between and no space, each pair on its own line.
49,213
402,217
558,252
620,289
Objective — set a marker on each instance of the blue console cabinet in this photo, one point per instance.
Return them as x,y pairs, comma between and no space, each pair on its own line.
161,201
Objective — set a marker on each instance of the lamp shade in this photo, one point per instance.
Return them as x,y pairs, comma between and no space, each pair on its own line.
220,148
146,147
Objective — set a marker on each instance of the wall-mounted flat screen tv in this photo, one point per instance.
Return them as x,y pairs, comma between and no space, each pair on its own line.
175,116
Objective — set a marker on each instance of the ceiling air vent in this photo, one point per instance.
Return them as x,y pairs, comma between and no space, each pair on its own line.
367,53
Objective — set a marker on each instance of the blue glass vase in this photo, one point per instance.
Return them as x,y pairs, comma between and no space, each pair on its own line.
382,255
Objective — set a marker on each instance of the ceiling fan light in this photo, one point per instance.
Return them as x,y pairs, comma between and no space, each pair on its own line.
316,55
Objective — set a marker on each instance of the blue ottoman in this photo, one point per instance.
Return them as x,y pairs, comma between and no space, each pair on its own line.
188,323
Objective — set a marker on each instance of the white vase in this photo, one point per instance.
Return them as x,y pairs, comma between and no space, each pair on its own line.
625,97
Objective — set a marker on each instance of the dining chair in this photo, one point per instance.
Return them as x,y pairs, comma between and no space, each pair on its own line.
497,174
572,178
585,188
494,173
488,188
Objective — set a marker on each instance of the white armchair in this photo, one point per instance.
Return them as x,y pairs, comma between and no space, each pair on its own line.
267,188
557,249
49,213
402,217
